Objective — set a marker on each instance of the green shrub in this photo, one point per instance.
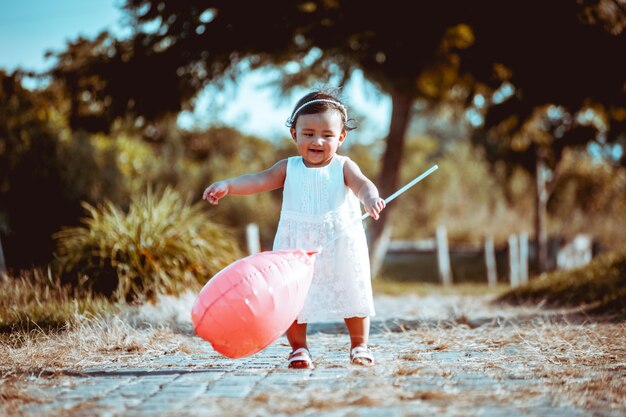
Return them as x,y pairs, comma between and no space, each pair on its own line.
600,286
163,245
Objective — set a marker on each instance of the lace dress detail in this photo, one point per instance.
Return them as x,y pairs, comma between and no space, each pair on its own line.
318,207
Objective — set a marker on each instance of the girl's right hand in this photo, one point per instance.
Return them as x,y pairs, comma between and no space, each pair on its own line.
215,192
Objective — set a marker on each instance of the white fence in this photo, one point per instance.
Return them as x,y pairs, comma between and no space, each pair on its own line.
508,262
435,259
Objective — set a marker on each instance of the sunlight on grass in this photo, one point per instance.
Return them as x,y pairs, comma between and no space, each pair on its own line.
600,286
36,300
395,287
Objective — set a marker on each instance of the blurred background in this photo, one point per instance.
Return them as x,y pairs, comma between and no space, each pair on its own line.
115,115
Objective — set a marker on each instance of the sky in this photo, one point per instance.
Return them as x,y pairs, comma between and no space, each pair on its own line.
29,28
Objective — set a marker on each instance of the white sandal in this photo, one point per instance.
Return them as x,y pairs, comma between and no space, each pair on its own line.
361,352
300,355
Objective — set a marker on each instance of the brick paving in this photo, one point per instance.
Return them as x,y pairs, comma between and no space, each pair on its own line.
412,377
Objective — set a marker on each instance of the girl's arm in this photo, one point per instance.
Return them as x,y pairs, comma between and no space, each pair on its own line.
269,179
363,188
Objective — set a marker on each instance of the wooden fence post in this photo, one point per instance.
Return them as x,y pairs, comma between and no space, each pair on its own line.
443,257
513,261
253,239
490,262
523,258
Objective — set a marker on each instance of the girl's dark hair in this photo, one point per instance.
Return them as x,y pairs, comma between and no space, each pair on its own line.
319,107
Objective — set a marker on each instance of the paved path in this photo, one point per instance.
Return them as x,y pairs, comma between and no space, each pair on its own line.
420,371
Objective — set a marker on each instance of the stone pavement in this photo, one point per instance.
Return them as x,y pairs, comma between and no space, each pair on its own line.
419,372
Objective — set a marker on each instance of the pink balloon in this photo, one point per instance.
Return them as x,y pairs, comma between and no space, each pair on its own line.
249,304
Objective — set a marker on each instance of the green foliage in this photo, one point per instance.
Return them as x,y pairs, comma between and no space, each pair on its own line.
600,286
465,195
36,300
161,245
222,152
47,168
156,72
540,113
32,179
589,197
126,166
177,48
473,198
365,156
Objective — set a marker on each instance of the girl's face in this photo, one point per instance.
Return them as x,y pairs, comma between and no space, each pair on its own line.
318,136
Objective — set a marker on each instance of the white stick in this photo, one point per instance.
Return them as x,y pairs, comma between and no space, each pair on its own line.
387,200
406,187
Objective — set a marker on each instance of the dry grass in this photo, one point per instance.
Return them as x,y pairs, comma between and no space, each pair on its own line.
578,364
581,364
569,364
394,287
520,358
407,370
599,287
98,341
131,336
36,300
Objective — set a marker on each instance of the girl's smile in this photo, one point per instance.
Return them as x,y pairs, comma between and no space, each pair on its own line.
318,136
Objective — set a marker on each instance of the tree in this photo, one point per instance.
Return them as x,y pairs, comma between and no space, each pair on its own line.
36,194
554,87
179,47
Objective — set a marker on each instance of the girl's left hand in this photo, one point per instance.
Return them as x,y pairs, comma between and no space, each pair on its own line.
374,206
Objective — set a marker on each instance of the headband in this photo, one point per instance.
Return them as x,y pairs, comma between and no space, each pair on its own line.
318,100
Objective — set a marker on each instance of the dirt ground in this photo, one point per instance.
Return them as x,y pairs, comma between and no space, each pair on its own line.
438,354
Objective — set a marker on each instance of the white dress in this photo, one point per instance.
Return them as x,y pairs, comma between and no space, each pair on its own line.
317,207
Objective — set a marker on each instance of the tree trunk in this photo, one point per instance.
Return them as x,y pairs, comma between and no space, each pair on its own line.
541,214
402,104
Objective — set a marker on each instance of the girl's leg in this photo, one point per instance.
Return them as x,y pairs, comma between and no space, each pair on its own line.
359,329
296,335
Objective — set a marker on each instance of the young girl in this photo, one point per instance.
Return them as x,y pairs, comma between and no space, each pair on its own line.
321,198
